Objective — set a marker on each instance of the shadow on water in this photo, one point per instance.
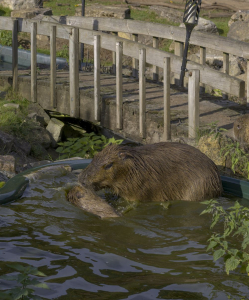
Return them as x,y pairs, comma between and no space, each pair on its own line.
149,253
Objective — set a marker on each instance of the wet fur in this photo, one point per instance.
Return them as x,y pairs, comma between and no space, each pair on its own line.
155,172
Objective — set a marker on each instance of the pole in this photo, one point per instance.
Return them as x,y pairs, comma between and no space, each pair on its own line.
82,45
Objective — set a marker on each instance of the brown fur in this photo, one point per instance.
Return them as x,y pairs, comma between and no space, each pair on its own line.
156,172
241,130
86,199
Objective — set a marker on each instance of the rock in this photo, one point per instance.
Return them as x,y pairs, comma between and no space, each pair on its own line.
239,31
55,127
12,105
43,137
240,15
35,107
173,15
3,178
8,165
97,10
31,13
21,145
6,142
205,26
21,4
37,118
241,130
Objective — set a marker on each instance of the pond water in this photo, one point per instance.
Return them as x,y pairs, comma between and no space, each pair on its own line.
149,253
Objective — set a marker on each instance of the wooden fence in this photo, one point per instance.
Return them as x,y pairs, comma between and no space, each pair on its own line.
141,54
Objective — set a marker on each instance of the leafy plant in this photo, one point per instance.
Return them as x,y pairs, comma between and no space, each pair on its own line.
236,224
86,146
6,37
25,282
238,157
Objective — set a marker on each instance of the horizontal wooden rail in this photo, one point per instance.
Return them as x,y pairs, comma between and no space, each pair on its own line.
175,33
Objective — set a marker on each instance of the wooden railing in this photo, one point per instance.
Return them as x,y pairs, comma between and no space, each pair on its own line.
141,54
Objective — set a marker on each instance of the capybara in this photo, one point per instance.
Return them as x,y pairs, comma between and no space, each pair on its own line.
86,199
154,172
241,130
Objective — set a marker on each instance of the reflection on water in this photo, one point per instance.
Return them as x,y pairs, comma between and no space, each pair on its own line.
149,253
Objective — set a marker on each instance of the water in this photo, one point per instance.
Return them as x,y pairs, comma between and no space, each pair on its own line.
149,253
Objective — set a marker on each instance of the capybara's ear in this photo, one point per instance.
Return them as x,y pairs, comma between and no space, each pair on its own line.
124,156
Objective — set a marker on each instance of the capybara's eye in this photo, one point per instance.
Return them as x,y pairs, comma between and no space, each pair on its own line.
108,166
238,126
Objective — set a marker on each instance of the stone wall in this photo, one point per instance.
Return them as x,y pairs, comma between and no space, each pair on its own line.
21,4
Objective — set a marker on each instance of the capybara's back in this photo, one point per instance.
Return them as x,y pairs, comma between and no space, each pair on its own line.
154,172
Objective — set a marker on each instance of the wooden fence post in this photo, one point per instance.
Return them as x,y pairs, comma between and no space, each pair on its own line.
155,68
33,62
15,55
114,58
225,70
203,56
74,72
193,102
142,105
134,60
179,48
119,85
97,77
53,66
166,98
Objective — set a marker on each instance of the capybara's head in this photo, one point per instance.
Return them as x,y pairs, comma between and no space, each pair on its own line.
241,129
107,167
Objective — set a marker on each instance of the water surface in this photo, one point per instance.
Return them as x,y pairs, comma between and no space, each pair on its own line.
149,253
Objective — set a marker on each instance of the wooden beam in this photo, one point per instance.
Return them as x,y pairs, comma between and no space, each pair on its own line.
33,33
97,77
166,98
119,85
193,103
53,66
74,72
142,96
15,55
155,68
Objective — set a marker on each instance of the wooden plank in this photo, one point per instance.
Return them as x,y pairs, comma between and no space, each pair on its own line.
166,98
33,48
15,55
163,31
193,103
155,68
203,56
97,77
74,72
53,66
142,96
225,70
119,85
134,60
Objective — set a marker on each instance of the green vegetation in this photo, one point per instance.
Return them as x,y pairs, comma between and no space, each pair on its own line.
232,243
25,281
6,37
4,12
87,146
147,15
222,25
